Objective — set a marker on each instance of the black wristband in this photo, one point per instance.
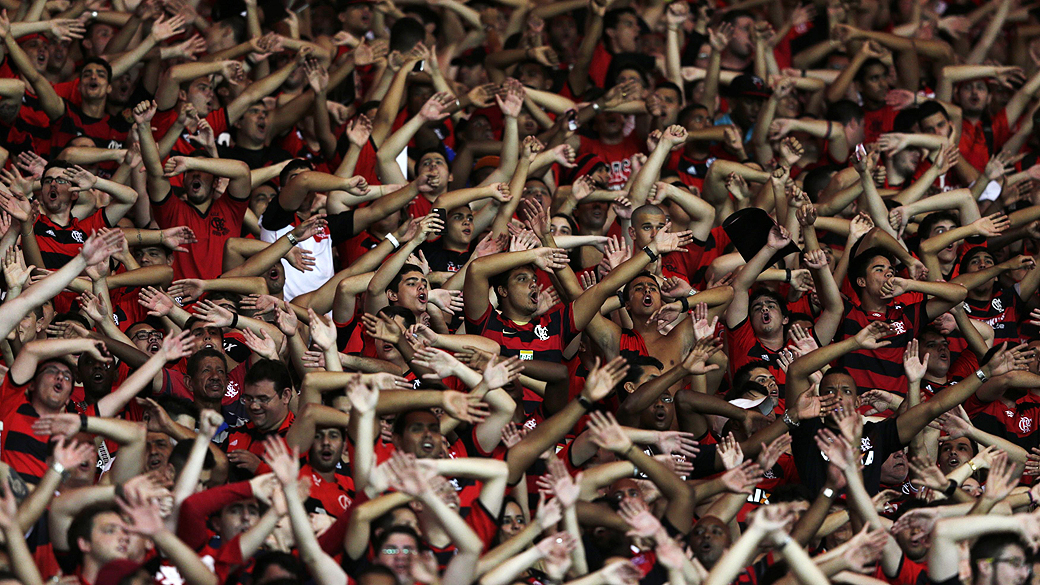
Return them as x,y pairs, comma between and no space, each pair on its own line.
585,403
788,277
621,296
650,253
950,489
234,320
83,422
685,304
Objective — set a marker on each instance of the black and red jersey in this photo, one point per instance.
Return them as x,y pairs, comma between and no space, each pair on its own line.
881,368
59,244
543,338
1002,312
1016,423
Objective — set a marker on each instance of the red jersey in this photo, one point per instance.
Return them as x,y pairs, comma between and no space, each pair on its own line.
213,228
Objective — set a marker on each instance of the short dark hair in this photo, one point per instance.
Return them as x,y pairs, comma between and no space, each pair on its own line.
929,109
399,421
993,546
292,166
288,562
74,317
611,18
502,278
732,16
838,371
383,536
768,292
845,111
192,367
928,223
791,492
270,370
742,376
372,569
431,150
637,364
179,457
816,180
406,314
672,86
688,110
628,285
871,62
405,34
57,163
83,524
861,262
395,282
97,61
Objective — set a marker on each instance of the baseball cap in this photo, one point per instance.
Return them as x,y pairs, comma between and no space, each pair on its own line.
748,85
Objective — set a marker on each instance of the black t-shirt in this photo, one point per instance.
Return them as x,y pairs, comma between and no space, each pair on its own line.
442,260
880,439
276,217
256,159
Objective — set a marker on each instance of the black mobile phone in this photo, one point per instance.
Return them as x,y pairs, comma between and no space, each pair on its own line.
572,120
442,214
419,66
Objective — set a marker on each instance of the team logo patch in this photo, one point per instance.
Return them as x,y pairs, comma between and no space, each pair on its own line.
541,332
997,305
78,236
1025,424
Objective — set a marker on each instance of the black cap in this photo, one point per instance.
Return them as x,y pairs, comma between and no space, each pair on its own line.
747,85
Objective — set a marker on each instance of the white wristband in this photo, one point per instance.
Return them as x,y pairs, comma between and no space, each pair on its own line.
393,241
991,192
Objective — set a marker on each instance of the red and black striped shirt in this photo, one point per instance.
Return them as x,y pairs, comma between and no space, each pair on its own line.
541,339
59,244
23,449
881,368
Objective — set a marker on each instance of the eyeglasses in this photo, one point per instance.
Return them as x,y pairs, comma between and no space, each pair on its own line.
393,550
58,372
147,335
59,180
261,400
1015,562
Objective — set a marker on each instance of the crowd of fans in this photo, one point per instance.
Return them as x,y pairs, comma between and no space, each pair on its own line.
603,292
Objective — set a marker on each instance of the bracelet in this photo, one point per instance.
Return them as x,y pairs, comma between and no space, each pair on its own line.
790,421
828,493
685,304
61,470
787,277
595,106
803,72
830,128
971,464
585,403
630,447
393,241
786,541
83,422
621,297
1032,501
981,376
458,103
950,489
650,253
292,239
234,320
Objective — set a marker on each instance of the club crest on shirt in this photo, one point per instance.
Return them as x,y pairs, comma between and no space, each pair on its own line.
541,332
997,305
78,236
1025,424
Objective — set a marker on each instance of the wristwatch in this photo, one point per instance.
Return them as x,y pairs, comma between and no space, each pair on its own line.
292,239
